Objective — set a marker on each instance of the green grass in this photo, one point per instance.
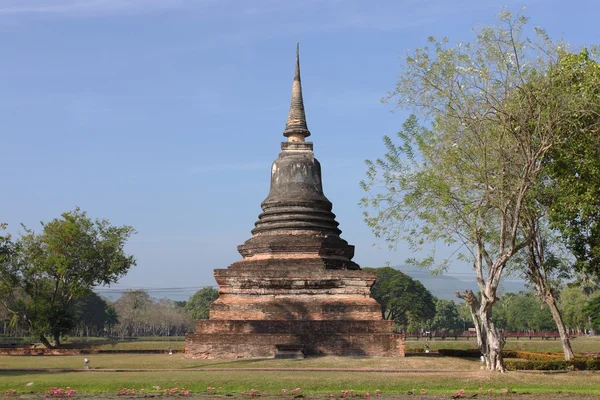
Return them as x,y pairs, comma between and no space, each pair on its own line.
467,375
580,344
309,382
176,361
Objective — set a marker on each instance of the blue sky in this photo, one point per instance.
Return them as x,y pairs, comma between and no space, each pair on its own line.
166,114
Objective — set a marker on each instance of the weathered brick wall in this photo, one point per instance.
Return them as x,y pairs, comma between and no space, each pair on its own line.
253,345
235,339
298,307
293,327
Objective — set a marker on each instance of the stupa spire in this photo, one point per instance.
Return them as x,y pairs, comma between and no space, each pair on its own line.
295,127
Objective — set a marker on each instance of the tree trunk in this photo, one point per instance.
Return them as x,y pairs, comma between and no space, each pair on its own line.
45,342
495,341
562,330
56,339
490,340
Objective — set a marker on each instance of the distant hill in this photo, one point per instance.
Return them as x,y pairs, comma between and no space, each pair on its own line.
444,286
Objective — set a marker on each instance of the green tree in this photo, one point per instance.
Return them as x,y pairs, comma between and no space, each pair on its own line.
92,314
523,311
198,306
447,317
112,318
55,268
402,299
572,302
572,168
562,197
464,174
592,310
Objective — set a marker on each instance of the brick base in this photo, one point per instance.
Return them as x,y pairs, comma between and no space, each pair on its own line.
258,339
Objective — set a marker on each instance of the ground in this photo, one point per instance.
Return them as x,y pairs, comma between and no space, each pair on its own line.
580,344
440,377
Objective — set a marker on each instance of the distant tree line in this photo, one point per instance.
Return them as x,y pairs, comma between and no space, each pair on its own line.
416,310
134,314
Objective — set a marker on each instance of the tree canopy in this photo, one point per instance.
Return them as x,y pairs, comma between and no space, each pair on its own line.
199,304
465,167
402,298
42,275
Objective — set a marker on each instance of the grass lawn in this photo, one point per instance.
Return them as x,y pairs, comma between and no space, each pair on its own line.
176,361
309,382
580,344
465,375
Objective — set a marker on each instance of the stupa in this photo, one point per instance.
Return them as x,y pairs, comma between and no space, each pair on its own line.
296,289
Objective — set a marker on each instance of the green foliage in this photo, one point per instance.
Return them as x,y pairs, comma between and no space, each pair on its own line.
572,303
469,172
592,311
447,317
577,364
92,313
517,312
572,167
43,275
531,360
402,298
198,306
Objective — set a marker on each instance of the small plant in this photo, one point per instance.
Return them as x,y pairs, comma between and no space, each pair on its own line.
57,392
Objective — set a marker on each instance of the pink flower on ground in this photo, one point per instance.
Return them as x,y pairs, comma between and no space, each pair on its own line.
284,390
458,394
504,390
367,395
490,390
480,389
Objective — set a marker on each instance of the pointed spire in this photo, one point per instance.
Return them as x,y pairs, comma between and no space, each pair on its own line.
295,128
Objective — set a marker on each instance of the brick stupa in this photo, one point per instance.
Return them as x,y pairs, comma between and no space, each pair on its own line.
296,287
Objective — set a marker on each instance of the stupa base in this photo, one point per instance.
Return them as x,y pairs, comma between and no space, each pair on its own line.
260,338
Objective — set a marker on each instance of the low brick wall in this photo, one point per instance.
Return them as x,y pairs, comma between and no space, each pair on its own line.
257,339
73,352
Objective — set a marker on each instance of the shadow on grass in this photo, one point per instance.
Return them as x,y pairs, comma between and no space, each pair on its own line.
90,344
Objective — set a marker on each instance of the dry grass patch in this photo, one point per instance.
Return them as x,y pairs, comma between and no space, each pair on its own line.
176,361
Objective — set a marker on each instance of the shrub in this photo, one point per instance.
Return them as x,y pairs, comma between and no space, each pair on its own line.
469,353
578,364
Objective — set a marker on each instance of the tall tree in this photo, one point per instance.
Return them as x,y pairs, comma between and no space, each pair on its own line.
91,315
63,263
465,173
565,195
571,181
572,302
592,310
198,306
402,298
447,317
